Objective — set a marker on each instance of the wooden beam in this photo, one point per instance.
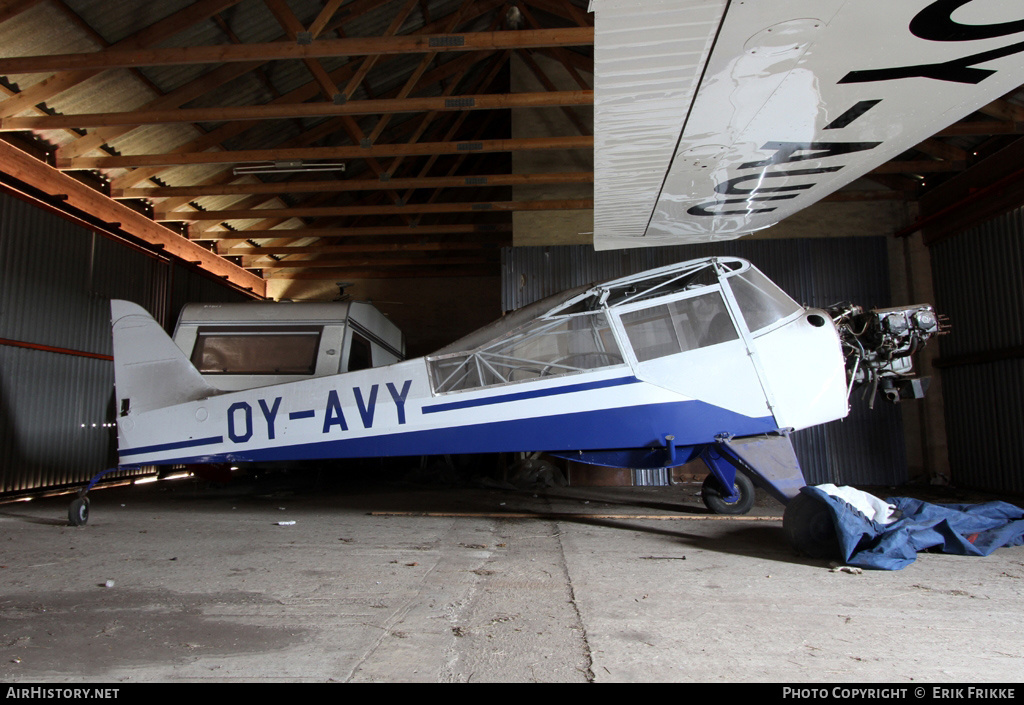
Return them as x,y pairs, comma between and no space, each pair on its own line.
77,195
339,185
362,231
582,127
189,91
279,111
318,25
345,152
212,139
75,74
225,132
426,61
368,62
209,81
319,48
423,271
348,211
284,250
447,73
370,260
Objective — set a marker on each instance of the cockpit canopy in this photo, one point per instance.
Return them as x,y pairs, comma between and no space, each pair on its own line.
629,320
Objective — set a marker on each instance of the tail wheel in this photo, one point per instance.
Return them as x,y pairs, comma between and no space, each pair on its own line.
809,527
713,495
78,512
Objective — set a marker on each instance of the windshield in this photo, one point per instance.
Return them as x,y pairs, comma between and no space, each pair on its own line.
761,302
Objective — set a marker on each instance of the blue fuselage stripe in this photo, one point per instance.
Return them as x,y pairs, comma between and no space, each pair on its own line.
192,443
537,393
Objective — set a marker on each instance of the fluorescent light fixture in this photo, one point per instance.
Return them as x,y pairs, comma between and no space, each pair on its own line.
287,167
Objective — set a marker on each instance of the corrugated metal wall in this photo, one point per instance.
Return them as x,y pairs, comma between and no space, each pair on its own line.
867,447
979,285
56,280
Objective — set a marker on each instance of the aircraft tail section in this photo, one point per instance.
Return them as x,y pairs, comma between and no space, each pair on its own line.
150,372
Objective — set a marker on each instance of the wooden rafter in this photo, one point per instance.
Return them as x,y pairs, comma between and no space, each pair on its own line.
348,152
76,73
381,270
346,124
192,90
369,258
257,253
80,197
416,231
301,110
336,186
321,48
347,211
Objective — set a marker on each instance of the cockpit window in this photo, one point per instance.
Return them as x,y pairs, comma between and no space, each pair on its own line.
678,326
761,302
546,347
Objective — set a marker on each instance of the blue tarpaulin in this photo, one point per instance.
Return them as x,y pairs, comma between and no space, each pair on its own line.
915,525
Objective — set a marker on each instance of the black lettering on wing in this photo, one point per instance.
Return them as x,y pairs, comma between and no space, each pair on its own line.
786,152
935,23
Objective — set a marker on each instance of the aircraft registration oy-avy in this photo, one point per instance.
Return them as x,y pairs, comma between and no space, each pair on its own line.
713,118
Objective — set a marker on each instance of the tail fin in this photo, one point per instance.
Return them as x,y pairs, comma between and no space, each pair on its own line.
150,372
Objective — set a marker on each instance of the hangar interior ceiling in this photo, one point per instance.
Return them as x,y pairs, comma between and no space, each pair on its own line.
286,140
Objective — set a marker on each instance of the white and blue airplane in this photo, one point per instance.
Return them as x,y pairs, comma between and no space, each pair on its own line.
704,358
713,119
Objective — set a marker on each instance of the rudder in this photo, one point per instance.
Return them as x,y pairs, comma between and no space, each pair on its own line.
150,372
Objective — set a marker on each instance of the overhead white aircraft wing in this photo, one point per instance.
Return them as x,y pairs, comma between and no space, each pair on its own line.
716,118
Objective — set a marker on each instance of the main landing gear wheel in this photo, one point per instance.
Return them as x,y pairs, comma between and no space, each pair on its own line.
78,512
712,494
809,528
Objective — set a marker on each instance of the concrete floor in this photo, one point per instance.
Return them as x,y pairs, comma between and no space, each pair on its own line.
208,586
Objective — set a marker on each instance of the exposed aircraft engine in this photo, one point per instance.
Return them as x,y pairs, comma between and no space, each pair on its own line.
879,346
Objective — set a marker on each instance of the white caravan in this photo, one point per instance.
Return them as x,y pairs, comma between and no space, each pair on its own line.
259,343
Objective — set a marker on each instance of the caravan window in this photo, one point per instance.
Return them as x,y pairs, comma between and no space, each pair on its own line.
678,326
360,354
252,350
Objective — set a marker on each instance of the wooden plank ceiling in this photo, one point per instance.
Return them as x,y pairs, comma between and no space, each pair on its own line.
326,139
